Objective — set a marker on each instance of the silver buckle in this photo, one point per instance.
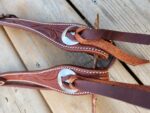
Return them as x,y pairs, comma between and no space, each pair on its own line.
67,40
64,73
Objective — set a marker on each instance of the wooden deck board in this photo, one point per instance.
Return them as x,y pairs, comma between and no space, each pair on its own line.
15,100
43,55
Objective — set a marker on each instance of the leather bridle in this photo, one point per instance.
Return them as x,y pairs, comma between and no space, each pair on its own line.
76,80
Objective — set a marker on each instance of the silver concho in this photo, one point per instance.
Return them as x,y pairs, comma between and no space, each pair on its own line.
67,40
64,73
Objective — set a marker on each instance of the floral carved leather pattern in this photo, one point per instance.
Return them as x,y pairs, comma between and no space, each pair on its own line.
75,80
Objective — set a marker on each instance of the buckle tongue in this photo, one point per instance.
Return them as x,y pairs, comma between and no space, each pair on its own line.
2,81
65,73
66,40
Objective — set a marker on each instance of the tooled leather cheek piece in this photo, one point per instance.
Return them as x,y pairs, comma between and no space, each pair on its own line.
52,32
50,79
110,48
85,81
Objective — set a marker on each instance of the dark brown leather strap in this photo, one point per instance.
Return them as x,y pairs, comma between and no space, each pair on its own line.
117,36
131,93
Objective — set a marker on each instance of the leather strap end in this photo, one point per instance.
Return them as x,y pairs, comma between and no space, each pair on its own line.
111,49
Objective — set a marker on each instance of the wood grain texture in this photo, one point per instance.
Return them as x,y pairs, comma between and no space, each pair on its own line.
122,15
14,100
38,54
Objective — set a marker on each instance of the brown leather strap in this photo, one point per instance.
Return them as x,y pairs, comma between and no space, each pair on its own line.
131,93
116,36
110,48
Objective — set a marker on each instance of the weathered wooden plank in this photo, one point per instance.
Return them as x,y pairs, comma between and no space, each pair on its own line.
24,43
14,100
123,15
6,52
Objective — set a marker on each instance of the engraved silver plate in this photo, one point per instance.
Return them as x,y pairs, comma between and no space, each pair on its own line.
67,40
64,73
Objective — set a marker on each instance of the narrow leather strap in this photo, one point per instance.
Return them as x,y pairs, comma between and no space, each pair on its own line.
116,36
110,48
131,93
